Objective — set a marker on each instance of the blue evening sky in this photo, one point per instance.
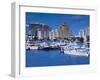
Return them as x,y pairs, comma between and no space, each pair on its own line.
75,22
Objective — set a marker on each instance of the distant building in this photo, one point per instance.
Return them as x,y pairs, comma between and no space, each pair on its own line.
85,34
51,35
56,33
39,34
88,31
41,31
81,33
64,31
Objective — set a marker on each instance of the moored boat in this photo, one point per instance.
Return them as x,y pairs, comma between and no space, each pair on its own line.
33,47
76,52
75,49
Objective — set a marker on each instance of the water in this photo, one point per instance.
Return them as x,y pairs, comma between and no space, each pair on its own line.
36,58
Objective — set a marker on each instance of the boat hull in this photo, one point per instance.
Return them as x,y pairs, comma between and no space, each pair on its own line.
73,52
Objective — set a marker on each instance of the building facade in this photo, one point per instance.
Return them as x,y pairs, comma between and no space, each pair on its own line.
40,31
85,34
43,31
64,31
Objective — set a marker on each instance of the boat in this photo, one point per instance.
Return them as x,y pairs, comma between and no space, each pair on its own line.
79,52
33,47
47,46
27,49
75,49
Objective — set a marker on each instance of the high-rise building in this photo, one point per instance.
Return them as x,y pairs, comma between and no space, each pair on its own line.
81,33
64,31
41,31
39,34
85,34
88,31
56,33
52,35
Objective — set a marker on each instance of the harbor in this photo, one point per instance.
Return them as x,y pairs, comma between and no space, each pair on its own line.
57,53
65,47
64,39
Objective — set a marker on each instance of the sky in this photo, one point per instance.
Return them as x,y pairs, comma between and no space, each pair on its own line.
75,22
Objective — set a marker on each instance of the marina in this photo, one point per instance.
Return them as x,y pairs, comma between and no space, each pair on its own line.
72,48
58,54
57,39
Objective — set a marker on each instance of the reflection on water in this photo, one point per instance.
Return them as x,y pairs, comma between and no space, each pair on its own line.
36,58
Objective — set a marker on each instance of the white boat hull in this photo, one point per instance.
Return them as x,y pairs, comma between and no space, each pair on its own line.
77,53
34,47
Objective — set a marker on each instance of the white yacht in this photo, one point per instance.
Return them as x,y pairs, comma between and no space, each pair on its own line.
31,46
75,49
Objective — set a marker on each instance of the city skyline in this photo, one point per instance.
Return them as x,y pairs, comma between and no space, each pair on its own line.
75,22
